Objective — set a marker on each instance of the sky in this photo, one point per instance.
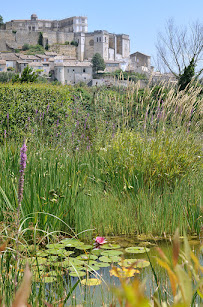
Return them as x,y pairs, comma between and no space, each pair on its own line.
142,20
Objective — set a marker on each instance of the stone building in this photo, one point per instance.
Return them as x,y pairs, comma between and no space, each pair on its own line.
59,34
72,24
73,72
140,62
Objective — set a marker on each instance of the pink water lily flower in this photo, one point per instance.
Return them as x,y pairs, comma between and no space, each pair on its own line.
100,240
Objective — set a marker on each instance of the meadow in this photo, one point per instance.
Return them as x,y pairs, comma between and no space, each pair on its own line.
100,161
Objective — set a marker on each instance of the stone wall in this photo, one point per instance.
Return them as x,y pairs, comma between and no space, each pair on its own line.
89,47
17,40
68,50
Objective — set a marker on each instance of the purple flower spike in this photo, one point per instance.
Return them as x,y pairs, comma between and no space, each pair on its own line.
23,159
5,134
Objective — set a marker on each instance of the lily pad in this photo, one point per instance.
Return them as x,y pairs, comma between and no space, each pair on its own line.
66,253
83,247
104,264
49,279
137,263
76,268
55,251
53,273
110,253
96,252
91,282
93,268
54,245
137,250
77,274
41,254
52,258
87,257
40,261
115,258
110,246
105,259
71,262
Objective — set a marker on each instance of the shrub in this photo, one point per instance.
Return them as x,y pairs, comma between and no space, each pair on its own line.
6,76
26,47
74,43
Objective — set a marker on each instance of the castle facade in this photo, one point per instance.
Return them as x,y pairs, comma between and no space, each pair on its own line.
112,47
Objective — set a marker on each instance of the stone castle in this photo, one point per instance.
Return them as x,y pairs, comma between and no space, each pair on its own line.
58,34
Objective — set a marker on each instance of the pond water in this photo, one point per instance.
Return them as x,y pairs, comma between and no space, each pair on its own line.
101,295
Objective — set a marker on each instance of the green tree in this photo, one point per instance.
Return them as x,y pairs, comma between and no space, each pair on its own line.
28,75
187,76
40,39
1,20
98,62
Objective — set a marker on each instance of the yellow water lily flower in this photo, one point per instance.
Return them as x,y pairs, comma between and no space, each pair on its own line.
123,272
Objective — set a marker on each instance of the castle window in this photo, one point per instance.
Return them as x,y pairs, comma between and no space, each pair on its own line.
29,28
97,39
105,39
100,39
33,28
83,69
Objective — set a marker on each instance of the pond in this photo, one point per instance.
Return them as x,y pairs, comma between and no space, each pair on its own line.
78,260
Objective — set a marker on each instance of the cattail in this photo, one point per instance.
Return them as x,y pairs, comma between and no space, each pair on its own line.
23,158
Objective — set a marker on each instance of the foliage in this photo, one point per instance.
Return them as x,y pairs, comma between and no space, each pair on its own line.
28,75
35,49
98,62
131,76
1,20
74,43
40,39
10,68
187,76
25,47
47,46
67,43
6,76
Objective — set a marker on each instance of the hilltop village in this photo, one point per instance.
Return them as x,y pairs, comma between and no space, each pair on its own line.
69,49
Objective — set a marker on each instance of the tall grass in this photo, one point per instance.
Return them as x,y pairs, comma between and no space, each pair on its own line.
116,161
119,190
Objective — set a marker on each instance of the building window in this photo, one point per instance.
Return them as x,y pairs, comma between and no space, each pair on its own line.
100,39
29,28
105,39
97,39
73,70
67,70
33,28
83,69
